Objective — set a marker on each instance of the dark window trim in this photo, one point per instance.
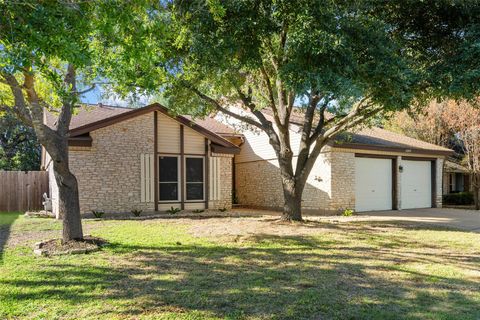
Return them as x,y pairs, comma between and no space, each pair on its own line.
185,178
178,178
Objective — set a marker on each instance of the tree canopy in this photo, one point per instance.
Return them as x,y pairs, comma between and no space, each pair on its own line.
354,59
19,148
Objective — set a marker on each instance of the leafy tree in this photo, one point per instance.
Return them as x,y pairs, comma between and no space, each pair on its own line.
44,45
19,148
464,119
453,124
353,59
429,125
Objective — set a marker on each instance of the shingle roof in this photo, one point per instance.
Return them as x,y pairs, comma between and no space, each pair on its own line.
91,117
451,166
371,138
213,125
381,138
368,138
88,114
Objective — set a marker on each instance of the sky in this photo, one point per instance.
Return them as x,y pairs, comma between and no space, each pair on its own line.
98,95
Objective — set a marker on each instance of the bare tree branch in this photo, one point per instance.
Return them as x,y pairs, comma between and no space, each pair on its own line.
220,108
19,107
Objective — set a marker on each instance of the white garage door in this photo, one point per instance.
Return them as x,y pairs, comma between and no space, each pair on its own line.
373,184
416,183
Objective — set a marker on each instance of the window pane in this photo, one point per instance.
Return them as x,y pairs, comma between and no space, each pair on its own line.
168,169
194,169
168,191
194,191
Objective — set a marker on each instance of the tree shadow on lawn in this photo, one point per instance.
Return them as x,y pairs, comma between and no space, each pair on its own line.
297,278
6,221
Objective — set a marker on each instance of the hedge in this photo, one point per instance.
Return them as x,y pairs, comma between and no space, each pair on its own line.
461,198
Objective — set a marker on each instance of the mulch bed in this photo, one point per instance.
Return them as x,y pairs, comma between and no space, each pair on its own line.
162,215
56,247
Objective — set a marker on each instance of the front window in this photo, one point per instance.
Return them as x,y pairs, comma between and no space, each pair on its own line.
194,178
168,178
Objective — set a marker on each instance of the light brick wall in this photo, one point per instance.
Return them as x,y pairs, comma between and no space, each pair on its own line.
439,171
343,181
259,184
108,173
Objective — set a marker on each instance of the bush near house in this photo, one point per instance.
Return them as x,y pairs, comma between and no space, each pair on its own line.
460,198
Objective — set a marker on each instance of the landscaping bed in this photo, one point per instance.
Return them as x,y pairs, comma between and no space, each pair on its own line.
56,247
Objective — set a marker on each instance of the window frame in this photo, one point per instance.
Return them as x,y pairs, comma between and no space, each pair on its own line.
203,174
451,184
179,182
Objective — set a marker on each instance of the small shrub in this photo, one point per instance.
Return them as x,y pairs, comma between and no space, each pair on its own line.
173,210
460,198
198,211
98,214
348,213
136,212
223,209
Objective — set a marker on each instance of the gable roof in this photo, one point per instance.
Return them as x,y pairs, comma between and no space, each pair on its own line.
93,117
453,166
376,138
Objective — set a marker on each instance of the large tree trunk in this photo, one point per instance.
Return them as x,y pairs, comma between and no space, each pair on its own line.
69,206
292,208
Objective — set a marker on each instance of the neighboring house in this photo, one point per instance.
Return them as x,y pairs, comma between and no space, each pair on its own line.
112,154
372,169
201,163
456,178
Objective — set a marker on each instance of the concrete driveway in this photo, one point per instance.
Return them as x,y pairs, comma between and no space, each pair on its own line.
456,218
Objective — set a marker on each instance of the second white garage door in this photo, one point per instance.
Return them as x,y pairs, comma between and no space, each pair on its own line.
373,184
416,183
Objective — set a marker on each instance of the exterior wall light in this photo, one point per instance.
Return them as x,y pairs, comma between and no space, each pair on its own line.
400,169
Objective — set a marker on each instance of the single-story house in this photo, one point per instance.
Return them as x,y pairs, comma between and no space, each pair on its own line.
456,178
147,159
365,170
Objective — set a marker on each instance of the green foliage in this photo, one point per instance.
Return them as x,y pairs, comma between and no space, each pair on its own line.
198,211
460,198
348,212
173,210
223,209
98,214
392,52
136,212
19,148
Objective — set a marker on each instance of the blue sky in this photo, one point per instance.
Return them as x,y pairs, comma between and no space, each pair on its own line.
98,95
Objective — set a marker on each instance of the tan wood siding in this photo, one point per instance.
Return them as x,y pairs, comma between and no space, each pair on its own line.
147,188
215,178
194,142
168,135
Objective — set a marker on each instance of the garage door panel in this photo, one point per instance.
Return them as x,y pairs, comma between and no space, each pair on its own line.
373,184
416,184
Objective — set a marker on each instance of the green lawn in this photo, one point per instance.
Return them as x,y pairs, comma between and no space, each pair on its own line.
170,269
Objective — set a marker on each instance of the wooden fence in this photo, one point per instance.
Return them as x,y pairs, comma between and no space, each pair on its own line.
22,190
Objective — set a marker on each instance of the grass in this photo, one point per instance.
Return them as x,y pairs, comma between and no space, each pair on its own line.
157,269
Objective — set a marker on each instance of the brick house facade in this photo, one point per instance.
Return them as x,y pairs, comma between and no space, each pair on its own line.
115,169
146,159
